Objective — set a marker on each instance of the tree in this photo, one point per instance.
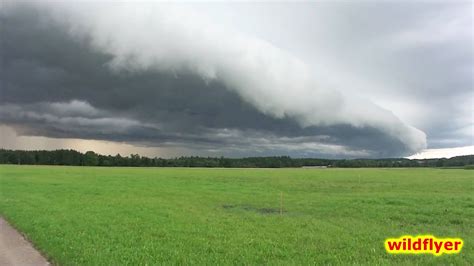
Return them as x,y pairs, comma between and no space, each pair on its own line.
91,159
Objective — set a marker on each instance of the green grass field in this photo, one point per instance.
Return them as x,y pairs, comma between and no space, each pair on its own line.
111,216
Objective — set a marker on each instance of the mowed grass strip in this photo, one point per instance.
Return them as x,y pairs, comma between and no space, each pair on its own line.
116,216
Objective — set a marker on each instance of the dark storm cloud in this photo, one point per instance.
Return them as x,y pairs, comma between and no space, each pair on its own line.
55,82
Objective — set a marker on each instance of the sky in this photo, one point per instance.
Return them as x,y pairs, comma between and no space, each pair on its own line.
332,79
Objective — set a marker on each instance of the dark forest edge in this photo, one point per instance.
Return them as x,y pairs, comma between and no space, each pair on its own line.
75,158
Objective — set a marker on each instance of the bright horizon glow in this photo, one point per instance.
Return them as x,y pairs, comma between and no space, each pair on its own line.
10,140
443,153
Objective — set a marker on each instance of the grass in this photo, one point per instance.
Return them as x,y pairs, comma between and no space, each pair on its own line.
116,216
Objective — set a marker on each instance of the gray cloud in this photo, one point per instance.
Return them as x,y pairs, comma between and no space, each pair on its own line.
159,81
412,57
415,58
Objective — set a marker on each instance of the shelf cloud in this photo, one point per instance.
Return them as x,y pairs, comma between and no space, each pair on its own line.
163,75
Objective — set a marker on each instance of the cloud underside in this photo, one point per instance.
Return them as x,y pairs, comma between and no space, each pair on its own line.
60,80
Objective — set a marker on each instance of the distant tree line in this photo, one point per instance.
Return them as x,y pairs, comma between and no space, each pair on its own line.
72,157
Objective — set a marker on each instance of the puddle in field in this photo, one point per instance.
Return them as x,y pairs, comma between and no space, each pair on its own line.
252,208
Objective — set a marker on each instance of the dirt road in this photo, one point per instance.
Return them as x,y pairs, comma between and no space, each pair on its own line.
15,250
